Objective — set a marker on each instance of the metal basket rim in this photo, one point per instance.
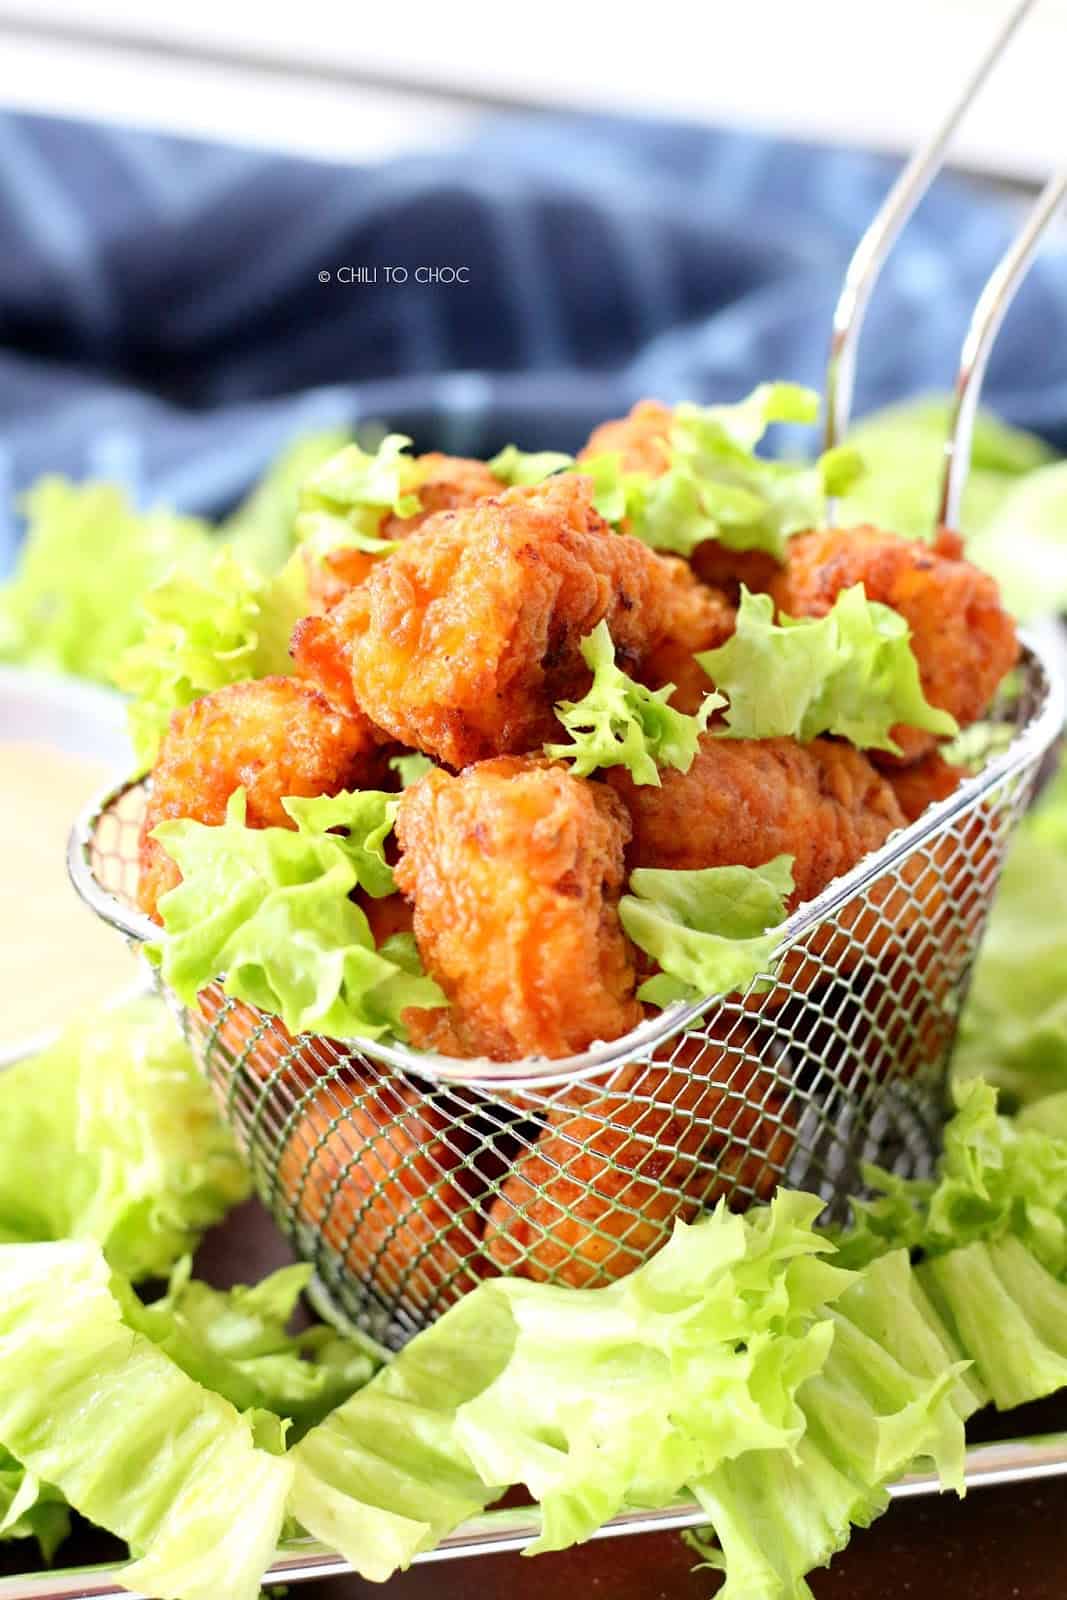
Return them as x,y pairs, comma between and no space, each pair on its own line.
1027,747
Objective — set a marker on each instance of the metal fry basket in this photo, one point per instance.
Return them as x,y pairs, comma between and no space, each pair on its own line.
407,1178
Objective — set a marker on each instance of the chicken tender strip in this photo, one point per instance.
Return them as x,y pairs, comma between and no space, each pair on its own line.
602,1188
461,642
390,1182
445,483
964,640
744,801
273,736
643,441
515,870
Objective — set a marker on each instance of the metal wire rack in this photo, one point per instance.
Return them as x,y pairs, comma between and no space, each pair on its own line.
407,1178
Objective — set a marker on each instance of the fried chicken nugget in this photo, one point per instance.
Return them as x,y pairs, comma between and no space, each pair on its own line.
642,439
964,640
744,801
515,869
389,1181
460,643
274,736
445,483
924,782
601,1190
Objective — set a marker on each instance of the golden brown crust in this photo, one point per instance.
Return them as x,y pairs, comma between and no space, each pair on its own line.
603,1186
273,736
515,870
460,643
963,638
445,483
642,441
924,782
744,801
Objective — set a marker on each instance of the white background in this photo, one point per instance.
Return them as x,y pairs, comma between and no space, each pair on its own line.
351,80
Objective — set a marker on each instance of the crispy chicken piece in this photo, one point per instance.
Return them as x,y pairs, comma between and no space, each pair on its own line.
744,801
602,1188
924,782
515,870
392,1184
963,638
460,643
445,483
642,440
236,1039
274,736
675,661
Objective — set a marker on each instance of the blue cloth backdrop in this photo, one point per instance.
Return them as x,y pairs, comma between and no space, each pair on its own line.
162,319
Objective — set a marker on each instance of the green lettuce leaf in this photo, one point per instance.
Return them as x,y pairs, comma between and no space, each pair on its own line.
203,633
344,501
712,931
515,466
261,532
1024,543
270,909
410,767
73,603
236,1343
852,673
95,1409
112,1135
620,723
903,450
386,1476
30,1509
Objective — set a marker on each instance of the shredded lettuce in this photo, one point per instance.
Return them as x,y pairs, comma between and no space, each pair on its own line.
98,1411
344,502
852,673
235,1342
711,931
112,1135
88,557
270,909
620,723
204,632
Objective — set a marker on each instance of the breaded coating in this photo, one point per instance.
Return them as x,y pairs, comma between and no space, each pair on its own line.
387,1180
273,736
675,660
643,441
964,640
445,483
460,643
601,1190
515,870
924,782
744,801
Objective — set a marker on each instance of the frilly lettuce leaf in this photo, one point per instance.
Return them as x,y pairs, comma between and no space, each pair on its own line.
95,1409
235,1342
260,531
203,633
88,558
903,449
112,1135
344,501
712,930
386,1476
270,909
852,673
514,466
620,723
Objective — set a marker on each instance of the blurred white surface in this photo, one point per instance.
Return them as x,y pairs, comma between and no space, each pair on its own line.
850,70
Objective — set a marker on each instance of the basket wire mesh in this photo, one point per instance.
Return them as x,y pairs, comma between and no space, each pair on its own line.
406,1179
